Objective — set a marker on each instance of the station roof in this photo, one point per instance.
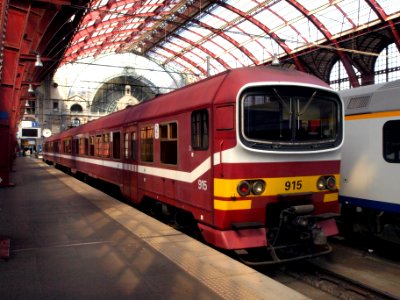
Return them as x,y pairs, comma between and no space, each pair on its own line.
196,36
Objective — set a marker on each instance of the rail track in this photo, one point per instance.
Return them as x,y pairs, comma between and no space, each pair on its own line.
337,285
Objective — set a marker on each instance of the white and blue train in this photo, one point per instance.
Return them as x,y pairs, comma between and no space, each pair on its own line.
370,167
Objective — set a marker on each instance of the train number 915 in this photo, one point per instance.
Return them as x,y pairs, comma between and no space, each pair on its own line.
202,184
293,185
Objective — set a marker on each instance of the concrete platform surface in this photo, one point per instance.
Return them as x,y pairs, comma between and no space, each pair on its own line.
70,241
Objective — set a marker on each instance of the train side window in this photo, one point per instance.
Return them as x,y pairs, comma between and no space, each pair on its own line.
126,145
106,145
86,150
200,130
67,146
98,145
91,146
169,143
81,146
391,141
116,145
147,144
133,145
75,147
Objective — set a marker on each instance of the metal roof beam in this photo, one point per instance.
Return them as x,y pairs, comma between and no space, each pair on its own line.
383,16
267,30
343,57
205,50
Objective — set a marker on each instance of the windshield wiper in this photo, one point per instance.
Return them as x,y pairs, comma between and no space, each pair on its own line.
307,104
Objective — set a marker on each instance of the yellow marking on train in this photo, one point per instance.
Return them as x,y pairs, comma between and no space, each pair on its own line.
384,114
232,205
331,197
227,188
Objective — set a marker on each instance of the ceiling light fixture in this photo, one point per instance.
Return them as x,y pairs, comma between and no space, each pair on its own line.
38,62
30,88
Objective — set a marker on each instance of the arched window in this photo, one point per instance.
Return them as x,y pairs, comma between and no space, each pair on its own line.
387,65
339,79
76,108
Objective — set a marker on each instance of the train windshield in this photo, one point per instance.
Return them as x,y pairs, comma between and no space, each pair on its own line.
290,118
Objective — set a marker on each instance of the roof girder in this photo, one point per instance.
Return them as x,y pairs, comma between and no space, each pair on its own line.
343,56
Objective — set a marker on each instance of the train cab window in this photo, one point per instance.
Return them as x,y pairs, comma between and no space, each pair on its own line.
284,117
147,144
116,145
200,130
169,143
391,141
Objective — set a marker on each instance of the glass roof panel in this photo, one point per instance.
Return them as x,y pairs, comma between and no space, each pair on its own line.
240,36
359,12
390,6
232,61
257,50
184,63
220,41
334,20
312,5
191,35
200,53
139,19
269,19
99,3
213,21
213,47
243,5
248,30
285,10
200,30
225,14
216,67
164,53
291,37
309,32
176,45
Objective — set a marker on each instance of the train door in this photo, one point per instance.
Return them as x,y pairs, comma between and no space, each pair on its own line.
130,165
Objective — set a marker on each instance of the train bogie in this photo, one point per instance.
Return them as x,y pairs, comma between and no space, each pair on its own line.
252,155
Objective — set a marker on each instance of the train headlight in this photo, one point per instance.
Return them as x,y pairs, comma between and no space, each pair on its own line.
258,187
321,183
331,183
243,188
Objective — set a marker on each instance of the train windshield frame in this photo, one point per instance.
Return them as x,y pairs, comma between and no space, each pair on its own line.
290,118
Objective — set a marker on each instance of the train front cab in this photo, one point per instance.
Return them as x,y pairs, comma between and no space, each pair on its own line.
276,173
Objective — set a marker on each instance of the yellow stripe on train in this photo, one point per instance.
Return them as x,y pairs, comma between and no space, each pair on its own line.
227,188
232,205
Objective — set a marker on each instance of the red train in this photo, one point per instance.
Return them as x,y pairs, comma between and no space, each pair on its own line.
251,154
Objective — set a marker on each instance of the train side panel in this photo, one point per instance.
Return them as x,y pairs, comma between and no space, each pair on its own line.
370,161
364,165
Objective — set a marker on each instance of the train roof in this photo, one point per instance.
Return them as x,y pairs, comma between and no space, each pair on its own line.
221,88
372,98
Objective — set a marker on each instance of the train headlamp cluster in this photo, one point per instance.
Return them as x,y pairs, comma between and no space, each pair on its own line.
255,187
326,182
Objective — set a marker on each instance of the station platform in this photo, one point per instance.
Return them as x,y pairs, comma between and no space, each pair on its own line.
71,241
